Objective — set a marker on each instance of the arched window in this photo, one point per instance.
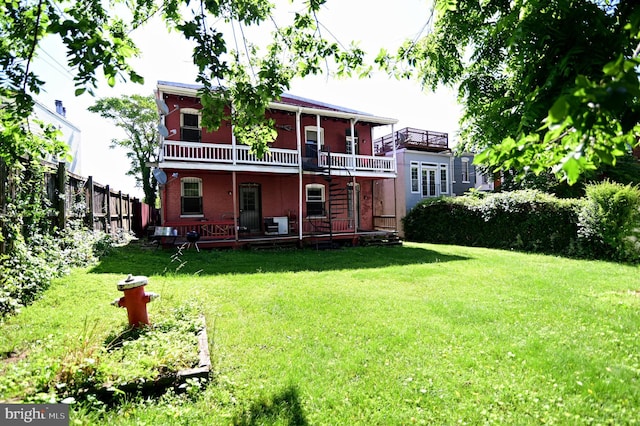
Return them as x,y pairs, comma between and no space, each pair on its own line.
191,196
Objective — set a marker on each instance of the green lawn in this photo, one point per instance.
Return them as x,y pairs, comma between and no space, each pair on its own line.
422,334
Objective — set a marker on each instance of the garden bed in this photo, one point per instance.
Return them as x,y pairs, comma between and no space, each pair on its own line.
169,354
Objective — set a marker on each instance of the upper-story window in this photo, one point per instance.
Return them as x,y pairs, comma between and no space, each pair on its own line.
313,139
349,140
190,129
191,196
465,170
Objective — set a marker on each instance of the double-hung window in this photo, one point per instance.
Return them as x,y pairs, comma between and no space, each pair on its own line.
315,200
190,129
191,196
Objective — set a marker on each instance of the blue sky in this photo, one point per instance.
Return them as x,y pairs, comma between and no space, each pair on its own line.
372,23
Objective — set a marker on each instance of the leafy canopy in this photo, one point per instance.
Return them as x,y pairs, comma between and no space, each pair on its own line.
136,115
545,84
96,35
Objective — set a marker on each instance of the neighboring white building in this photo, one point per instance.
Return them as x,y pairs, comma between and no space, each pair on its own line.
70,133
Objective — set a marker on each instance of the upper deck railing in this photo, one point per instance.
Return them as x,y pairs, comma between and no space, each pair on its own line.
425,140
224,153
215,153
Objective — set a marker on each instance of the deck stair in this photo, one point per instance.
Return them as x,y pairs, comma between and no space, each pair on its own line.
389,239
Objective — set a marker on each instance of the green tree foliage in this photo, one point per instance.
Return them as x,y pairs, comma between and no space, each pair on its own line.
96,35
137,116
546,85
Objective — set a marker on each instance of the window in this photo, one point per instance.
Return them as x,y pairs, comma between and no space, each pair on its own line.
465,170
429,180
350,199
349,140
444,181
191,196
415,184
484,179
190,130
312,141
315,200
348,145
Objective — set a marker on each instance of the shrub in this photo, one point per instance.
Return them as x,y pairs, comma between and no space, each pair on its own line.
31,266
609,221
525,220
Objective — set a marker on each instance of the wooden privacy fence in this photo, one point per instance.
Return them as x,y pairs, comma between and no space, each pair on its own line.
101,207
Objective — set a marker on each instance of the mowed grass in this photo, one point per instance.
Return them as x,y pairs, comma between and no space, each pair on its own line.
424,334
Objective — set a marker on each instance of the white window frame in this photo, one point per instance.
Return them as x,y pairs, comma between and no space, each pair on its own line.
182,196
312,199
429,167
319,135
348,145
191,111
444,168
415,166
464,172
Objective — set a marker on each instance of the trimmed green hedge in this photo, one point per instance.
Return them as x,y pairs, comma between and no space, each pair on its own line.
604,225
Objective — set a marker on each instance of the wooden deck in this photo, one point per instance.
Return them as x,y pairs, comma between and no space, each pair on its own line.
371,237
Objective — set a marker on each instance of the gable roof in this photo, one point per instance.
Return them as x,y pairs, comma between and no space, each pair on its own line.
288,102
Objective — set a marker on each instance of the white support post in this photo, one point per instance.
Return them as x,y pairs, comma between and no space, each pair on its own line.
300,187
319,136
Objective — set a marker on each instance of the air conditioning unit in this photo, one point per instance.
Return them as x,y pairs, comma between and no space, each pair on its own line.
283,224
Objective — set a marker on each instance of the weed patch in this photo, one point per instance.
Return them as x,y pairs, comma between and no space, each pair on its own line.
144,361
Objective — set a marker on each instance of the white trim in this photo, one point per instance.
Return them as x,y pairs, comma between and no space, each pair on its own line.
465,167
322,199
415,164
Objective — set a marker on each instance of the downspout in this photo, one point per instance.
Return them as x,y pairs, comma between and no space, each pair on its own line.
299,142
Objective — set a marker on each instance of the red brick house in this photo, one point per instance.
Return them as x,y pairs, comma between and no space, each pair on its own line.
316,183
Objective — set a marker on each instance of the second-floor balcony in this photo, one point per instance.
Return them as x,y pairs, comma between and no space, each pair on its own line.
216,156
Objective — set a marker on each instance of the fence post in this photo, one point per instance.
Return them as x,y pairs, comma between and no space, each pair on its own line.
90,204
61,189
107,219
120,215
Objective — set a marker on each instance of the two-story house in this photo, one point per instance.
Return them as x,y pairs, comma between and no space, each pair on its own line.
316,182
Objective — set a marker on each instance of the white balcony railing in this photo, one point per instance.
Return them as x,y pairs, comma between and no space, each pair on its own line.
223,153
362,162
